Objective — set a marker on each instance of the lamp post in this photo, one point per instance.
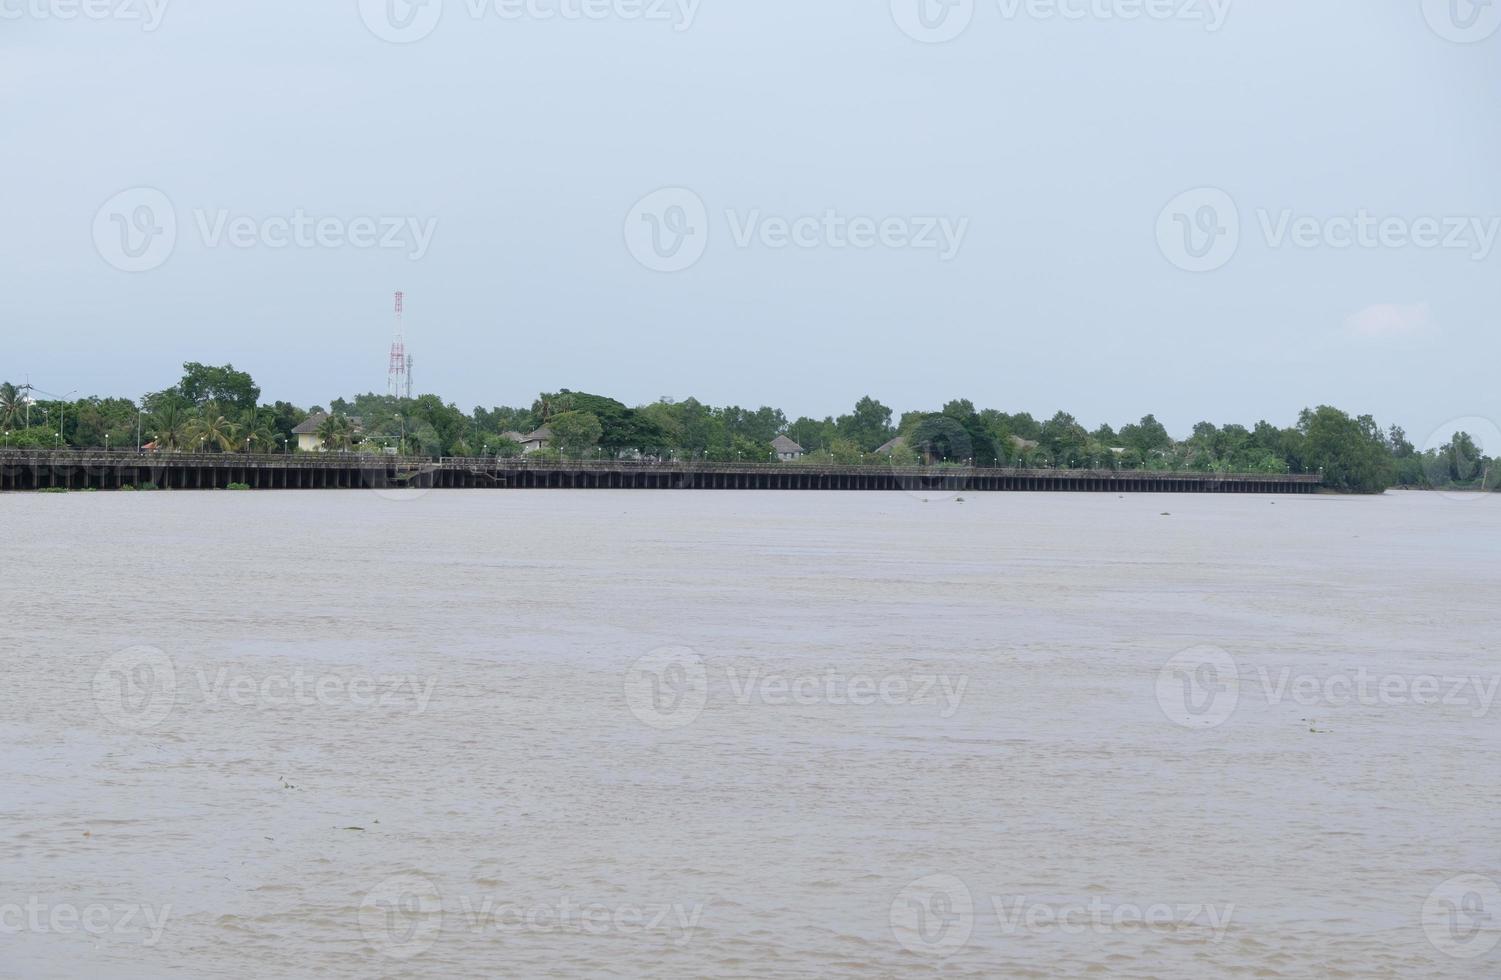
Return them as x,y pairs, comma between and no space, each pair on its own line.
62,412
106,442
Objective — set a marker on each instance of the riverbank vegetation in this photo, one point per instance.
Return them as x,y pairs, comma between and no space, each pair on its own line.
218,409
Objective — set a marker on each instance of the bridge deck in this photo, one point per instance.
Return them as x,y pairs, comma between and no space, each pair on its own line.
84,470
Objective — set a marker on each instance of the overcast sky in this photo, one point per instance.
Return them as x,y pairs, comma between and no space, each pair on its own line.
1208,211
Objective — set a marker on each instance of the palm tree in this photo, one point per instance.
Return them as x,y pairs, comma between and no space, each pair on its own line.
211,430
12,406
169,425
336,432
257,431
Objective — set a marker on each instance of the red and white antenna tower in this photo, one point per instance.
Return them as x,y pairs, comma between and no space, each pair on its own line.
398,381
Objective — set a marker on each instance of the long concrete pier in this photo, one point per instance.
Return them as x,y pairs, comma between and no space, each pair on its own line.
85,470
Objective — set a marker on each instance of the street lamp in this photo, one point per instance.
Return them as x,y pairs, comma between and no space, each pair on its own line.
62,412
106,442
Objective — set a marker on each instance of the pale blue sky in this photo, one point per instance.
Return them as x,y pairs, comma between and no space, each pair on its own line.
529,141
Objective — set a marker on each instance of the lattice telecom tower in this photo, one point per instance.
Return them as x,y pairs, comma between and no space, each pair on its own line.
399,373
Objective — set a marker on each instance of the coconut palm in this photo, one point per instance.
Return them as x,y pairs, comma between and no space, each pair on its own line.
256,431
169,426
12,406
211,430
336,433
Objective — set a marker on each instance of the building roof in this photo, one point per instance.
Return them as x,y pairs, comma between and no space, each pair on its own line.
784,445
541,435
892,445
309,426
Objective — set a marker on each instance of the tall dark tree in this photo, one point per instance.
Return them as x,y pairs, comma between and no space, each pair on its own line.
868,425
203,383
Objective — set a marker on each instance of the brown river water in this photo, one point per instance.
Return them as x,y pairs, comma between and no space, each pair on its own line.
723,734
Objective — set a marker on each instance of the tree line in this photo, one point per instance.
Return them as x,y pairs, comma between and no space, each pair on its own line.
216,408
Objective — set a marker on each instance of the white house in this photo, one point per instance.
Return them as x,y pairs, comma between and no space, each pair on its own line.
533,441
786,449
307,433
308,440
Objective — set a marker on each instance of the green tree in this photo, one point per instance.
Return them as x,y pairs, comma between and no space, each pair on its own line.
12,407
169,425
1065,440
575,433
1146,436
202,383
211,430
1351,453
868,426
336,433
941,438
1463,461
621,428
257,431
813,435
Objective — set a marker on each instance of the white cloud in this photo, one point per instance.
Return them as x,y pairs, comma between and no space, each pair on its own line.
1386,321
